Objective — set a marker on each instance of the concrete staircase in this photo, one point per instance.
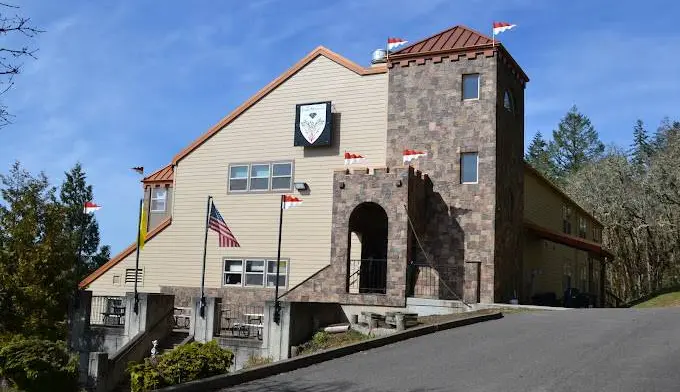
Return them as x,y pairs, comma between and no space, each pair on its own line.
174,339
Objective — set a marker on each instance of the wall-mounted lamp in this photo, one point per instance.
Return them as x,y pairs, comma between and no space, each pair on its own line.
301,186
398,183
341,185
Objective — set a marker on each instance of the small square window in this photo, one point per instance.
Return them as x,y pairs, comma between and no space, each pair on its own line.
233,271
259,177
470,86
116,280
158,198
468,168
238,178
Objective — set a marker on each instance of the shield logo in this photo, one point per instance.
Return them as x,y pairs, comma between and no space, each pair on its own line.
312,121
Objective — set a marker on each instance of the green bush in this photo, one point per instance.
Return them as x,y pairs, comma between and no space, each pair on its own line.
38,365
256,360
323,340
185,363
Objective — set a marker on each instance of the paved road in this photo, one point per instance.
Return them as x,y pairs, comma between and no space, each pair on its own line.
575,350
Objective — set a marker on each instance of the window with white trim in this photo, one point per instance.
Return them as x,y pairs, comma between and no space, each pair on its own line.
566,219
253,272
470,87
469,167
158,199
282,175
238,178
261,177
233,272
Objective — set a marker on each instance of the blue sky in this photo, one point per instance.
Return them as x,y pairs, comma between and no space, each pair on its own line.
125,83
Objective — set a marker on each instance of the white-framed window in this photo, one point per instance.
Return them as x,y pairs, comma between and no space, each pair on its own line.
259,177
254,272
159,197
282,175
469,165
271,273
233,272
566,219
238,178
116,280
130,276
582,227
508,101
470,86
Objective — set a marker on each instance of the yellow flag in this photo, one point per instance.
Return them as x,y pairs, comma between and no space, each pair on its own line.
142,228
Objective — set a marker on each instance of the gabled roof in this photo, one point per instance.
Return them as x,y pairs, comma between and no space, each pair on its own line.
122,255
319,51
164,175
452,39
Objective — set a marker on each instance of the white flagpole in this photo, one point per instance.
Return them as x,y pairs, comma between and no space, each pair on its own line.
493,36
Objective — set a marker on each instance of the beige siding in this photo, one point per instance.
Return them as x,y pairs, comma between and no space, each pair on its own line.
265,133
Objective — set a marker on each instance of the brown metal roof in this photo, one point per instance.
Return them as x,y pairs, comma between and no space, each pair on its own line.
568,240
454,39
165,174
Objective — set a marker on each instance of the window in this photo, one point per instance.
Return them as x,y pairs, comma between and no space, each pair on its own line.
259,177
271,273
254,272
238,178
233,272
116,280
158,197
508,102
470,86
130,276
566,219
468,168
597,234
582,227
282,175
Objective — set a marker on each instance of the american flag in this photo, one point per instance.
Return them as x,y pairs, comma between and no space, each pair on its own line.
216,223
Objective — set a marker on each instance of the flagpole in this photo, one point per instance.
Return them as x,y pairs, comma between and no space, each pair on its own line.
139,234
205,250
277,305
493,37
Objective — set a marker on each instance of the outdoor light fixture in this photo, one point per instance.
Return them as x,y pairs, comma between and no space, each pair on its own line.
300,186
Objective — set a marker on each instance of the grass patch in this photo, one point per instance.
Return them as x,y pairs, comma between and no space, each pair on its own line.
256,360
323,341
661,301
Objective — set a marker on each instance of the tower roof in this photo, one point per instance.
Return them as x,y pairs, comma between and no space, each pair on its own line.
452,39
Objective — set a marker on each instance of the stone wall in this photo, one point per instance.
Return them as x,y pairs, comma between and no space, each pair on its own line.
426,111
244,296
509,185
390,190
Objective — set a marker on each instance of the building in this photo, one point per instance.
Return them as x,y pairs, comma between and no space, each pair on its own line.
468,221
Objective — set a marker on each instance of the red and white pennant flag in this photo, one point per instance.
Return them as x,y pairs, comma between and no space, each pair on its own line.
410,155
499,27
395,42
89,207
351,159
291,201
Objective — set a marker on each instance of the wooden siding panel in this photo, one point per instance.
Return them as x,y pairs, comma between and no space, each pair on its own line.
265,133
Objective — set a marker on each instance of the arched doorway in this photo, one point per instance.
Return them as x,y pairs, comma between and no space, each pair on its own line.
367,249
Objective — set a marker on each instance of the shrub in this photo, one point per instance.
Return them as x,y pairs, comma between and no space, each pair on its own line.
187,362
38,365
256,360
323,340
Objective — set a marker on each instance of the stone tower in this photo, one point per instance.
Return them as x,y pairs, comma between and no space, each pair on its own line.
473,235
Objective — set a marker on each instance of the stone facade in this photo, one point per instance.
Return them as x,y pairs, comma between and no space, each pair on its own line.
389,189
241,296
426,111
473,231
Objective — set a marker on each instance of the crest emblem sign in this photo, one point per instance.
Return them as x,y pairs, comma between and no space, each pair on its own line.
313,124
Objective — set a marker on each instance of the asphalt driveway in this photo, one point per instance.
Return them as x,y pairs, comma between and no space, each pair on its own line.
574,350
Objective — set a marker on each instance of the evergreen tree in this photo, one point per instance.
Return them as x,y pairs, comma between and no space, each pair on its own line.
575,143
667,131
36,260
539,158
641,149
83,228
